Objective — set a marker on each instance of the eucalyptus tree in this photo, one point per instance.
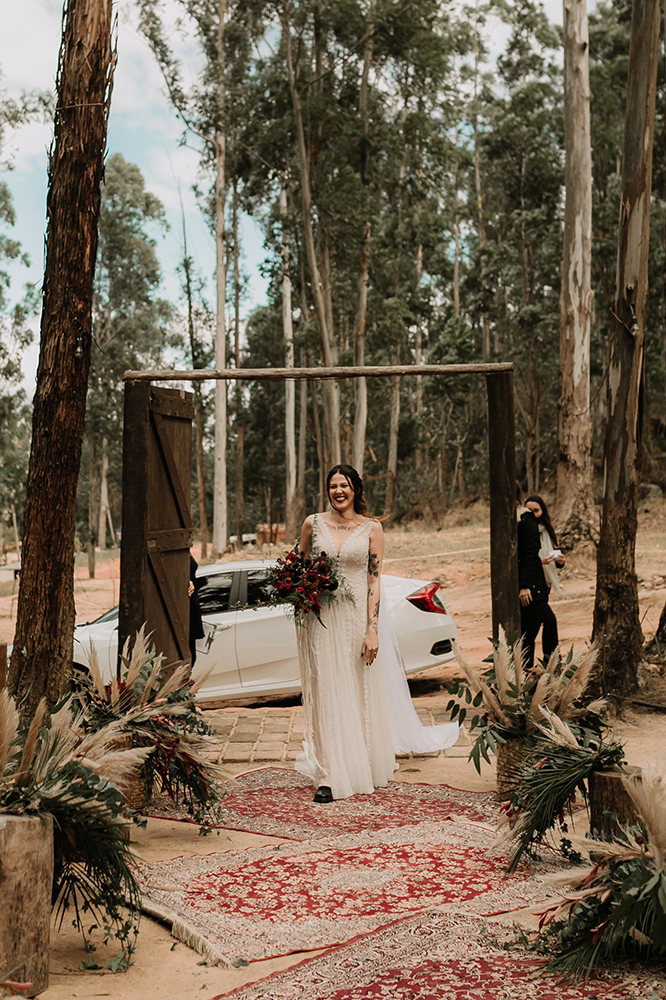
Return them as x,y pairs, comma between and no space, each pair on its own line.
203,110
523,175
42,659
576,513
617,627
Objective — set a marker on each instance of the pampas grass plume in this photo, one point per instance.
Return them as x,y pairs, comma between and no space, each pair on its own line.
9,722
648,794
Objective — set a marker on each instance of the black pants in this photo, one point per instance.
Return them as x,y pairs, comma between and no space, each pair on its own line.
532,617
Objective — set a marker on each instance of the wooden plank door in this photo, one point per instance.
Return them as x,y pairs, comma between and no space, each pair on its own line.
156,520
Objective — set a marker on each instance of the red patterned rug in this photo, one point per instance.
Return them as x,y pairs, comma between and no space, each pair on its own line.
278,802
271,901
436,956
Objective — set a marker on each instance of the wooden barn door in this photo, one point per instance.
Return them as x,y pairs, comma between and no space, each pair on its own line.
157,522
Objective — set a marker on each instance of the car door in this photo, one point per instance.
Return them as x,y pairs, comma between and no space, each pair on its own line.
218,599
265,640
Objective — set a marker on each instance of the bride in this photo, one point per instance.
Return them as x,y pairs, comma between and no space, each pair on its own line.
357,708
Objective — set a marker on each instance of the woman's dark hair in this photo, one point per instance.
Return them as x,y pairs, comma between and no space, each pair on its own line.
545,516
356,483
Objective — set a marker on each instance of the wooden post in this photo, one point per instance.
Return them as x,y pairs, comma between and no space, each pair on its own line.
133,562
26,882
502,477
3,665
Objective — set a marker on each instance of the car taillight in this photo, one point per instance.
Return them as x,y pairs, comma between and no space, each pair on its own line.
427,599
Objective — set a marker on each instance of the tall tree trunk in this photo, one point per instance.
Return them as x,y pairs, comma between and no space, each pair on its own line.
93,512
392,463
481,228
198,397
576,514
239,493
103,496
330,390
320,445
617,628
360,384
220,515
418,359
302,443
291,518
42,659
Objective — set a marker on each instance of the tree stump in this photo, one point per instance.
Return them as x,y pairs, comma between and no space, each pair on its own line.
26,881
608,794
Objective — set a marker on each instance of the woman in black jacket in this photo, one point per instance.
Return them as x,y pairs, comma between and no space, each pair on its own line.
535,611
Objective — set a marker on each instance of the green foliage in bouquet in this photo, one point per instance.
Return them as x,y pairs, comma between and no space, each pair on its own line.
619,910
159,714
50,765
559,764
509,699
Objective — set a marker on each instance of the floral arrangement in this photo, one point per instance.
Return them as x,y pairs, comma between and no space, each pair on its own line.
558,765
157,711
303,582
49,764
618,910
510,698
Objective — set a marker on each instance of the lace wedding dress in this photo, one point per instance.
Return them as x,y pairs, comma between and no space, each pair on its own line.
356,717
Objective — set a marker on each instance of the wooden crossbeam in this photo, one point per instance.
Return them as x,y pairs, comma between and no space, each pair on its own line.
279,374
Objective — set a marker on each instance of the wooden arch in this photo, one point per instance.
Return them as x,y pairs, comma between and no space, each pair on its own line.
154,592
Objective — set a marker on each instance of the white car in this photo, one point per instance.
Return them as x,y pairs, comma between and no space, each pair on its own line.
252,645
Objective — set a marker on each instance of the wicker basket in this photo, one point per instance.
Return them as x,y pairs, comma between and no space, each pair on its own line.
137,796
510,758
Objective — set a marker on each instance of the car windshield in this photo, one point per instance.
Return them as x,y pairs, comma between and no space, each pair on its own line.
108,616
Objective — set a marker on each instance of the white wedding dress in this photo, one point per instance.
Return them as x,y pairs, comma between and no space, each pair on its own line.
356,717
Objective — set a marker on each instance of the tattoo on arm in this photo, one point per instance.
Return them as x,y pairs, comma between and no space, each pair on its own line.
374,618
373,564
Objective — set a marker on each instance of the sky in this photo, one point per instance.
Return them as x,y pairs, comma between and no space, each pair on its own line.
142,126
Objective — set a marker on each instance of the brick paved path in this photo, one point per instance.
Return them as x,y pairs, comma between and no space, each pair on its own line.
249,735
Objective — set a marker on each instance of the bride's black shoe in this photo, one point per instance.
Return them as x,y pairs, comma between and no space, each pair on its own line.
323,794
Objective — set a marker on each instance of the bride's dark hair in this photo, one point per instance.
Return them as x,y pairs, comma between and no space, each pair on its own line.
356,483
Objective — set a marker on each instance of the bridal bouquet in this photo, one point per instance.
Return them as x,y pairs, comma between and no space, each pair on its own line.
304,582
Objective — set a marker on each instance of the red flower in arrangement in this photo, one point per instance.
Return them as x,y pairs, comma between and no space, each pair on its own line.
302,582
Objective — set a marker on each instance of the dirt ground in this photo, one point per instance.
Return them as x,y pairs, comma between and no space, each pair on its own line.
457,554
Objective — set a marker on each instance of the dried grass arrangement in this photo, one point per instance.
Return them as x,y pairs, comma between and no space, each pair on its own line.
618,908
158,711
49,764
509,699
